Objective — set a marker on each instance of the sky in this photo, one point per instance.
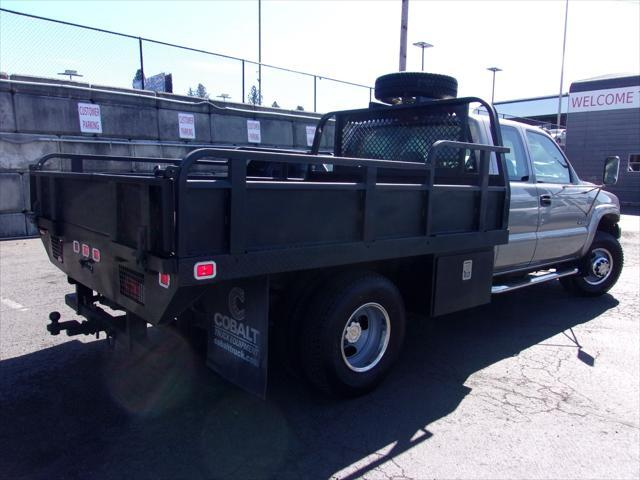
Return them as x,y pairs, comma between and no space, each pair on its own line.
354,41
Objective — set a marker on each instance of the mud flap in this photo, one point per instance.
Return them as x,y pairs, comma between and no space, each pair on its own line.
238,332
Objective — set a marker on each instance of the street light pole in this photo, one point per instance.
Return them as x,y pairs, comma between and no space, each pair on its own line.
422,45
493,86
564,44
70,74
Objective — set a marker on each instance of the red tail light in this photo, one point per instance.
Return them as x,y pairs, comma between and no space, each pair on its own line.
164,279
95,255
205,270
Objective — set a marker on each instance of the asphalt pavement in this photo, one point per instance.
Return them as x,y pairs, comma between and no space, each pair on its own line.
537,385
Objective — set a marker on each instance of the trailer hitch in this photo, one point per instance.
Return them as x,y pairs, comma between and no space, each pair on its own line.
73,327
128,330
97,320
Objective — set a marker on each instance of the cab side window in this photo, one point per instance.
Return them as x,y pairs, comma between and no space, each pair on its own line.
515,159
548,163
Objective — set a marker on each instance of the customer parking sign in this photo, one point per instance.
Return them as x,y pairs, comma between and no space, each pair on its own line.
90,118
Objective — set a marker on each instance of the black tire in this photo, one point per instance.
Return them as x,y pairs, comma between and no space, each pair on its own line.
322,342
290,317
586,283
415,84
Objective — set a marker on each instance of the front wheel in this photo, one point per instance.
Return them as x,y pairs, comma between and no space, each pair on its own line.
352,334
600,269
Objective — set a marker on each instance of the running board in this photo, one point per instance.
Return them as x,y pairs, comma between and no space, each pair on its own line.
532,280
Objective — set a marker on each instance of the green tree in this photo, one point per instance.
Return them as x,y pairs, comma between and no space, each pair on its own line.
137,79
200,91
254,97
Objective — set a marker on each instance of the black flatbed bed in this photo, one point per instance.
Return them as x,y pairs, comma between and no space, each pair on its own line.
364,210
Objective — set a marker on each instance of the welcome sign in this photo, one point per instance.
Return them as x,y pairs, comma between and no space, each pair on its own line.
609,99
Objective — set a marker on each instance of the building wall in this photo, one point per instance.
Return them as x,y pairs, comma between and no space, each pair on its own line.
596,134
593,136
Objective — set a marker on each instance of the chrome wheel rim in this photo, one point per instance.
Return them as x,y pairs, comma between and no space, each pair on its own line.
365,337
600,266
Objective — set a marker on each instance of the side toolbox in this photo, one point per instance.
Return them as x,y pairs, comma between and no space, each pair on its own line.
462,281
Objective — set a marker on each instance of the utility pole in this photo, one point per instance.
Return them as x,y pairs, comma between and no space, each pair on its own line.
564,44
260,49
404,25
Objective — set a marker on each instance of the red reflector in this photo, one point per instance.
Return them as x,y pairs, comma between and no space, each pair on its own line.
76,246
85,250
204,270
95,255
164,279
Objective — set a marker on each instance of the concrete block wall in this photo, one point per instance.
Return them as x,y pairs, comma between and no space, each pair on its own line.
39,116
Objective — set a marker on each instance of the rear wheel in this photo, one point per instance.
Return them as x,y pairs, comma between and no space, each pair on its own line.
352,334
600,268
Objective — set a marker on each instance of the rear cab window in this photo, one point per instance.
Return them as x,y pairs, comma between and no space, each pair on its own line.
516,159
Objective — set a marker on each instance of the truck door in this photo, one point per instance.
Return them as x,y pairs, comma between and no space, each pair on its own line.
562,228
523,213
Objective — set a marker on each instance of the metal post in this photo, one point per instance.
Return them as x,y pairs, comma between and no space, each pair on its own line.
260,51
141,61
370,94
564,44
243,97
493,87
493,84
422,45
404,22
315,92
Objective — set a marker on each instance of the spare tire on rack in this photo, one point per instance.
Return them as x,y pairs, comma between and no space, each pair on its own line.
393,86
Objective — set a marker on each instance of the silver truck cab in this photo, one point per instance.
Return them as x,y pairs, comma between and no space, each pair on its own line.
554,216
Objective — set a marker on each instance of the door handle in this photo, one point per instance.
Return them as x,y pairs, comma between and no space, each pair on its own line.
545,200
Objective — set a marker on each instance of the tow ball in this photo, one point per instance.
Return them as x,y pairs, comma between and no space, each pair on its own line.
73,327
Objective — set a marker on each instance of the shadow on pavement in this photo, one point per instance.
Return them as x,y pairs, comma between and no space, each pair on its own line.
77,410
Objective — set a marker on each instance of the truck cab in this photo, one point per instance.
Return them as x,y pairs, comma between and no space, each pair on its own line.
553,215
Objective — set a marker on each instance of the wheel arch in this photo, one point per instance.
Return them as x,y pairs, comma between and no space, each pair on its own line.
412,276
609,224
603,219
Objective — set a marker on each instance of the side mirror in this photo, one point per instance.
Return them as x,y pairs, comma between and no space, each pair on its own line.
611,170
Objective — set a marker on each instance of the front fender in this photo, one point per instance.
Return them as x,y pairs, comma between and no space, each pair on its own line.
599,212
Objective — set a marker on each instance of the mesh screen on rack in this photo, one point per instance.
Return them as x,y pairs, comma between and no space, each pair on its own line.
406,135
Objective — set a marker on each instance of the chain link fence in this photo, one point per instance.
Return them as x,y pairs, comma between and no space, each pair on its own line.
43,47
